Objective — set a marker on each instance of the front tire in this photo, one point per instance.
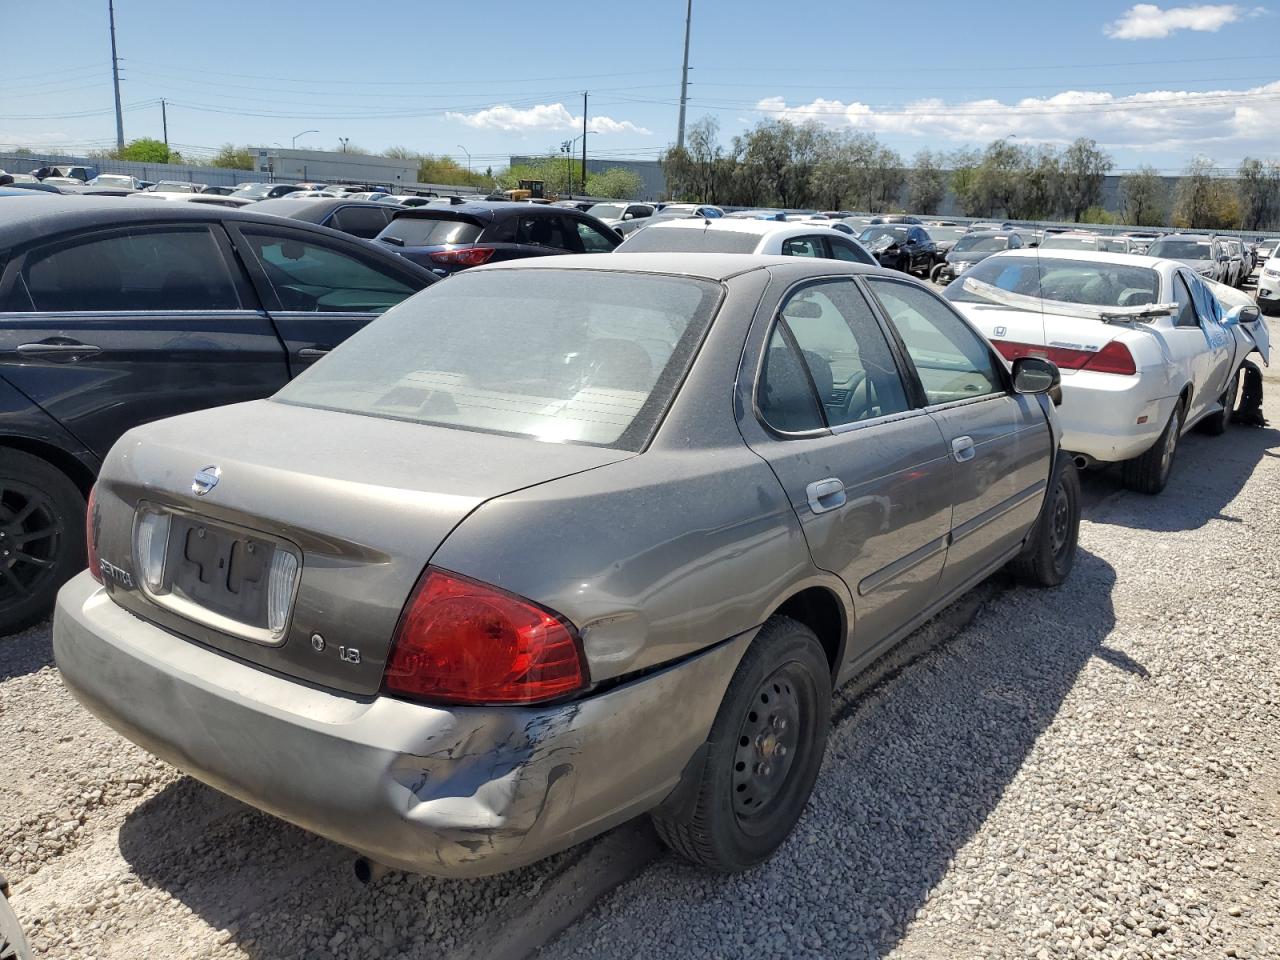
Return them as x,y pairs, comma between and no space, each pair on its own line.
41,537
762,757
1217,424
1050,553
1149,472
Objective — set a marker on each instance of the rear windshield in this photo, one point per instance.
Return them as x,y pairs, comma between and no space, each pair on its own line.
875,233
679,240
430,231
565,356
1181,250
981,244
1066,281
1069,243
608,211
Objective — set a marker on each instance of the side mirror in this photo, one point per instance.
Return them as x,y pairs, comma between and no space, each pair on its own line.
1034,375
1241,314
628,216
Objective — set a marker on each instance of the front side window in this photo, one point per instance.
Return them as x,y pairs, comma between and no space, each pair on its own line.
952,361
828,333
1186,312
594,240
576,356
311,278
149,268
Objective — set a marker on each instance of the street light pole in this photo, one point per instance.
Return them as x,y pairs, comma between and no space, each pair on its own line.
293,141
115,75
684,75
345,141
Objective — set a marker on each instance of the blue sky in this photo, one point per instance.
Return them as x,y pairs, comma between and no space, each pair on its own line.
1156,83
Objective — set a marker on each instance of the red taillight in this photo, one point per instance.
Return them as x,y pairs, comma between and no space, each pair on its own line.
460,641
91,533
1113,358
464,257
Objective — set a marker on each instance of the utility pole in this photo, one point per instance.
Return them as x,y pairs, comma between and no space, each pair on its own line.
584,143
164,121
684,75
115,75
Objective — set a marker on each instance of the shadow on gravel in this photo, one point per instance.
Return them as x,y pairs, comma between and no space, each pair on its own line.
26,652
282,893
1208,473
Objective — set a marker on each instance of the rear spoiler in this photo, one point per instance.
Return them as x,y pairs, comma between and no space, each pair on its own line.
1085,311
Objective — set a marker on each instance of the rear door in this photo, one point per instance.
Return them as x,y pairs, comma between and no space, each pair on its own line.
318,290
547,234
112,328
999,441
866,470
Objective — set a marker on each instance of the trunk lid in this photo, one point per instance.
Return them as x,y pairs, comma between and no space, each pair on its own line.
362,502
1044,330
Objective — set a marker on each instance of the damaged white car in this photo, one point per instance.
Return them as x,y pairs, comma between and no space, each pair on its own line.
1147,349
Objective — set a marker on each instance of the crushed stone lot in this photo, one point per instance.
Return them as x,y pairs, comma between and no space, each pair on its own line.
1092,771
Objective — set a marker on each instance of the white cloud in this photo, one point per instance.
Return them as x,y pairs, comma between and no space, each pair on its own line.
1146,21
1161,119
542,116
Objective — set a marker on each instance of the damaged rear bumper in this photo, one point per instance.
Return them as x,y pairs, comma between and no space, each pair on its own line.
454,792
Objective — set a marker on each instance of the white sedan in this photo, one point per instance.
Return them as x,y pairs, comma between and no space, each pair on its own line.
1269,286
727,235
1147,349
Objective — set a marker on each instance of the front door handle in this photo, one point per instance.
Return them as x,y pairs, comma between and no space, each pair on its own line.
312,353
962,449
61,351
824,495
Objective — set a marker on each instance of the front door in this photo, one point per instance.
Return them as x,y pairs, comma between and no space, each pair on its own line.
867,472
118,327
999,441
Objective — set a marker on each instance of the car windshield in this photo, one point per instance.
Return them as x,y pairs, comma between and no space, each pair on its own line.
608,211
1060,241
1063,281
972,244
576,356
254,192
875,233
1181,249
415,231
681,240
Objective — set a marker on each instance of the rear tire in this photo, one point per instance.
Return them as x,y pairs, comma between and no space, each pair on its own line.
13,946
1050,553
1149,472
41,537
762,757
1216,424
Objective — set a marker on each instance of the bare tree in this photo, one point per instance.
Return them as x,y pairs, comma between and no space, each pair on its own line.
1145,198
1258,187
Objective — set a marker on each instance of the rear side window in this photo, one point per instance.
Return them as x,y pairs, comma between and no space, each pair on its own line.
546,231
953,362
364,222
803,247
311,278
159,269
416,231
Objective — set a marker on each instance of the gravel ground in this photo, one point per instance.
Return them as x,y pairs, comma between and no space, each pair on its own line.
1089,771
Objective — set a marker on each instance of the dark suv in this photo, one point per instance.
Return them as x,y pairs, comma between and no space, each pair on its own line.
448,239
112,316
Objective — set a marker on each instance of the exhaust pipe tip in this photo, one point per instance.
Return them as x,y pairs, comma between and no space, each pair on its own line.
369,871
1082,461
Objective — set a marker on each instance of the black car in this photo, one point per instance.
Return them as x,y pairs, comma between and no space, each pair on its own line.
448,239
264,191
901,246
114,314
360,218
974,247
896,218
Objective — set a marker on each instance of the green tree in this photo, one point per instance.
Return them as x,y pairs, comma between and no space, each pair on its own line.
1084,167
616,182
400,153
926,182
148,150
1258,187
964,164
996,179
1205,201
233,157
1144,198
1039,184
446,170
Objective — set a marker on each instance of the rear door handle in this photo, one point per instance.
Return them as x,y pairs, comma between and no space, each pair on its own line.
312,353
58,351
824,495
962,449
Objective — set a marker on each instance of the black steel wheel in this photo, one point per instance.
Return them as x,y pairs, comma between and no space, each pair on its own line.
1215,425
1050,551
745,793
41,537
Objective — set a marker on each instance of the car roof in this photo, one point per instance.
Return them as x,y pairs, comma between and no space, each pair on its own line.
309,207
1091,256
485,210
761,228
48,213
979,234
705,266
